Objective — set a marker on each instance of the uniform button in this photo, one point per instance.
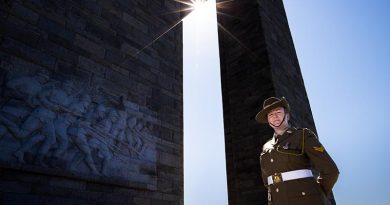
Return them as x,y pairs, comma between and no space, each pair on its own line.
303,193
277,190
272,160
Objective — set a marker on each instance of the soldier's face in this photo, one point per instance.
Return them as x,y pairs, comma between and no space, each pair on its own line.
276,116
43,78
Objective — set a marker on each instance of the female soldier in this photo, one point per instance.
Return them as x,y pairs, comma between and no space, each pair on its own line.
288,158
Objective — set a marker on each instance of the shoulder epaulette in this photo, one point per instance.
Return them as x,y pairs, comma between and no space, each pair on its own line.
309,131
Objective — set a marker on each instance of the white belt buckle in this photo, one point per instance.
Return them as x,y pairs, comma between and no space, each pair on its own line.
277,178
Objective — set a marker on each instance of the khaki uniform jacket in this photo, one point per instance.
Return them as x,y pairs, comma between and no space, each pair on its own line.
298,149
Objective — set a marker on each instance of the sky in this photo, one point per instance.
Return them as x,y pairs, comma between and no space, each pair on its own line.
343,50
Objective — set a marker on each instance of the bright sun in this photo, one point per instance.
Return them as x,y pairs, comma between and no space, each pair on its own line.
200,4
203,9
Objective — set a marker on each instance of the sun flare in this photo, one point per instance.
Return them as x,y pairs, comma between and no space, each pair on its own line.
200,4
203,9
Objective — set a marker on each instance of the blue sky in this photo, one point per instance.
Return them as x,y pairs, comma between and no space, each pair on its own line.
343,49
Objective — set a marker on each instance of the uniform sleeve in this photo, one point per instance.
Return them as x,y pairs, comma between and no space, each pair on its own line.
263,174
321,162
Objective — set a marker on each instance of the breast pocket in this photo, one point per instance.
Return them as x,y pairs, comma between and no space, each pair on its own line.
290,149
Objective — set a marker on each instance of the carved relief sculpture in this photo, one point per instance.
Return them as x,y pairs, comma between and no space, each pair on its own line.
57,125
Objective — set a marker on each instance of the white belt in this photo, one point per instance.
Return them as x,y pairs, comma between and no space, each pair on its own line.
291,175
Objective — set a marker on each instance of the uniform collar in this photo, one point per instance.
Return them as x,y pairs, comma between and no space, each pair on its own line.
287,131
290,130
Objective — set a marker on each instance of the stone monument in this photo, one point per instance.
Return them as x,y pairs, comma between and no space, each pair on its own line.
91,108
258,60
88,113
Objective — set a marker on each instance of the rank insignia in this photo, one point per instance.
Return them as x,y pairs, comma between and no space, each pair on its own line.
319,149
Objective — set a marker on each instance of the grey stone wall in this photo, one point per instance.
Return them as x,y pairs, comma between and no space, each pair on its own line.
258,60
85,117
